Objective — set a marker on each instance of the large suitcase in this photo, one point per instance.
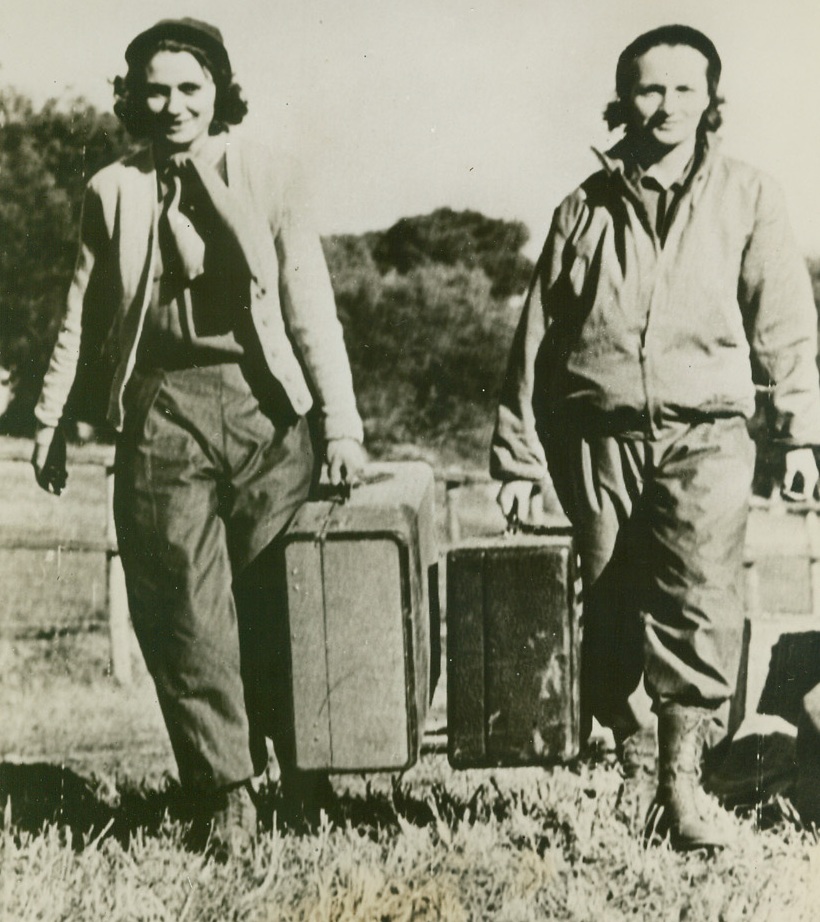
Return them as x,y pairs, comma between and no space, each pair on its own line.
513,651
362,586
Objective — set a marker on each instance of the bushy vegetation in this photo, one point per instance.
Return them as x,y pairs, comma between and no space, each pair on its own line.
452,238
427,342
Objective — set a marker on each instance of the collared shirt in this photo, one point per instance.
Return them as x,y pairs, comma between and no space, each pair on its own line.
658,196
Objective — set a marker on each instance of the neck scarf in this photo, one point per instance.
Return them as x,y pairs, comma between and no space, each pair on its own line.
176,176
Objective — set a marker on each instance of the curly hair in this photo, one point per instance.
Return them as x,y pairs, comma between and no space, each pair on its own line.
617,111
130,105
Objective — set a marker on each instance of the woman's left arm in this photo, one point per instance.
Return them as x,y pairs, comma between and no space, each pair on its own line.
309,307
774,291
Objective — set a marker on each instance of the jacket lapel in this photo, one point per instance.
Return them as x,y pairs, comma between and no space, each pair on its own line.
138,213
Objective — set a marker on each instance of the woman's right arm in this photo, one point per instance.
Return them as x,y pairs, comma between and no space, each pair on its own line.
517,457
62,367
516,452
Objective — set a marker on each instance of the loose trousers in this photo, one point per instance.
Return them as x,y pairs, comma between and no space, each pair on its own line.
205,480
660,526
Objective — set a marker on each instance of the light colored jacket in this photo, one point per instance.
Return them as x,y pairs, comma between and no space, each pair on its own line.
290,296
619,333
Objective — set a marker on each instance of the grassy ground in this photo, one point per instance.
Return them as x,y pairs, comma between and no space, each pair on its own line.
506,845
92,824
93,828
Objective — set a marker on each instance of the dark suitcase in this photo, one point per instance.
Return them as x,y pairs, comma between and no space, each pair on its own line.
513,651
362,584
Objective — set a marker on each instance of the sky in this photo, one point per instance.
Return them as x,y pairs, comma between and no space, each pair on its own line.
397,107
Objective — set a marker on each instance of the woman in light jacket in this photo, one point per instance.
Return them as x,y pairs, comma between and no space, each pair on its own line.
201,287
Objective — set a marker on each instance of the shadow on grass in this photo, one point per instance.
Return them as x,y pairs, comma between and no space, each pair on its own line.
36,795
377,805
370,807
756,773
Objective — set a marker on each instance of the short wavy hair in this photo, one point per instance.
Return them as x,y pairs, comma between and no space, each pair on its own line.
130,104
616,113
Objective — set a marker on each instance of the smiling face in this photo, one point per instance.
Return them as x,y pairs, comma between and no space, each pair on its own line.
180,95
669,95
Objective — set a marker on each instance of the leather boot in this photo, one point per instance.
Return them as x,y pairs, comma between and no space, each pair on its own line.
224,824
681,810
233,824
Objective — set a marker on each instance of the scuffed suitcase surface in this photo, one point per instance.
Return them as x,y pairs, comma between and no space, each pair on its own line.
513,633
359,619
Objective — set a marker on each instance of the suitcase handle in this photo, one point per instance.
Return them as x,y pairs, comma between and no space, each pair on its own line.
513,521
341,492
516,527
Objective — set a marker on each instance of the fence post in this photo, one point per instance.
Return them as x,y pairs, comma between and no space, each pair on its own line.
119,630
451,502
813,535
751,579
